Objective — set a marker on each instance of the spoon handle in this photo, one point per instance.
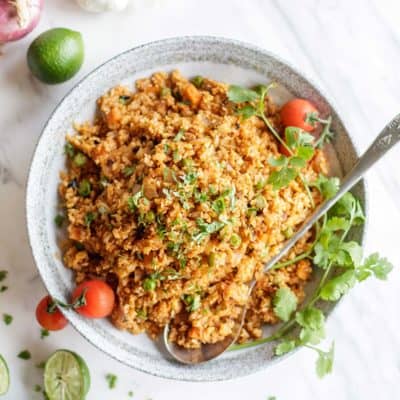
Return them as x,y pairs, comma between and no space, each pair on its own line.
389,136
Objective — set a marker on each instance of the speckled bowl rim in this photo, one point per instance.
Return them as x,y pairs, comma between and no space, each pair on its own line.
176,375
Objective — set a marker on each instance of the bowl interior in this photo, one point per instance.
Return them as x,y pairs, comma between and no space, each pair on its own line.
220,59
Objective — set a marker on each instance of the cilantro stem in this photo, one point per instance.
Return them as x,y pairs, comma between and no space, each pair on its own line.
307,189
300,257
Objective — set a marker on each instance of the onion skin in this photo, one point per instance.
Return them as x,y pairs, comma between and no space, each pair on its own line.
18,18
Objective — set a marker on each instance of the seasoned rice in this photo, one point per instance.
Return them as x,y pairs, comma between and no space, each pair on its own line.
172,209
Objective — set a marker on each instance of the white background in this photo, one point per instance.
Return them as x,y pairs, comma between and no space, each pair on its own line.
352,49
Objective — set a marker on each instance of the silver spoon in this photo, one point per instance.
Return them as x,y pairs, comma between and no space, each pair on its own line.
389,136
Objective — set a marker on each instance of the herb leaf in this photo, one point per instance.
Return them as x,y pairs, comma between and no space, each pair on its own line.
324,362
285,303
284,347
239,94
336,287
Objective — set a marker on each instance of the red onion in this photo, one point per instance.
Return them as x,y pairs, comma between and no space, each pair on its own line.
18,18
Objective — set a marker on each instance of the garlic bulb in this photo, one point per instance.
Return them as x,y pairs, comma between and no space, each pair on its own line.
103,5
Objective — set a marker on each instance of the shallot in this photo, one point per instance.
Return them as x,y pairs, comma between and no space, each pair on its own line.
18,18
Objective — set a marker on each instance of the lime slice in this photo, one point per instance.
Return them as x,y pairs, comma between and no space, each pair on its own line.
66,376
4,376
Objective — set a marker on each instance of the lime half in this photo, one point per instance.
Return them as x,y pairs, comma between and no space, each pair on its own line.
66,376
4,376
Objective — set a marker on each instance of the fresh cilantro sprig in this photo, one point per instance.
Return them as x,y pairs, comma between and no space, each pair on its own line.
330,251
300,144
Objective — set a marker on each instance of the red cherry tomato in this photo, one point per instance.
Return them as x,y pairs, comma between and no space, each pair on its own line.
99,299
294,113
52,321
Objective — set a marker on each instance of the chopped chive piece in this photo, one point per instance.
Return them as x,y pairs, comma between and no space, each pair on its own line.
124,99
150,217
176,156
149,284
192,301
165,91
260,184
84,188
90,217
3,275
179,135
24,355
80,160
7,318
251,211
197,81
260,202
288,232
128,171
141,314
59,220
69,150
211,259
218,205
112,380
235,240
44,333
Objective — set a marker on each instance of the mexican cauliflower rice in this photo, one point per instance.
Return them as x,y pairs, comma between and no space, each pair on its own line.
167,200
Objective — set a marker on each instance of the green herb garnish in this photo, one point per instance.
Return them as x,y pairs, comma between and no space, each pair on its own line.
206,229
285,303
197,81
90,217
111,380
84,188
192,301
3,275
69,150
179,136
24,355
7,318
128,171
80,159
44,333
59,220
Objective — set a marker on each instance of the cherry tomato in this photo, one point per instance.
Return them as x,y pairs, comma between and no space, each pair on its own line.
294,113
52,321
99,299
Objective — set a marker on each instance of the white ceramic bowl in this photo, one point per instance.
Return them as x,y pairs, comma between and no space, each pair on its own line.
218,58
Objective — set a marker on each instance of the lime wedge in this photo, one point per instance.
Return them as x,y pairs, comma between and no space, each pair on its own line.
4,376
66,376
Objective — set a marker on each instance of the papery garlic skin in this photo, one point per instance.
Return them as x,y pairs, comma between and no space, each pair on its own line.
103,5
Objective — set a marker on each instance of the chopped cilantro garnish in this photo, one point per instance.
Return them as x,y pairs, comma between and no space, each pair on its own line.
7,318
179,136
59,220
24,355
44,333
84,188
111,380
69,150
192,301
128,171
80,160
3,275
90,217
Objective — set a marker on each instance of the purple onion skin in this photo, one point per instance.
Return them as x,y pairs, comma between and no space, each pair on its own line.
10,30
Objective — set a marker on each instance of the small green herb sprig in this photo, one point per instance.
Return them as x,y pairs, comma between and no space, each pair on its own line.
298,144
330,251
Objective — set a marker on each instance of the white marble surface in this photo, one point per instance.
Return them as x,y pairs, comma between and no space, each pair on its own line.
352,49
